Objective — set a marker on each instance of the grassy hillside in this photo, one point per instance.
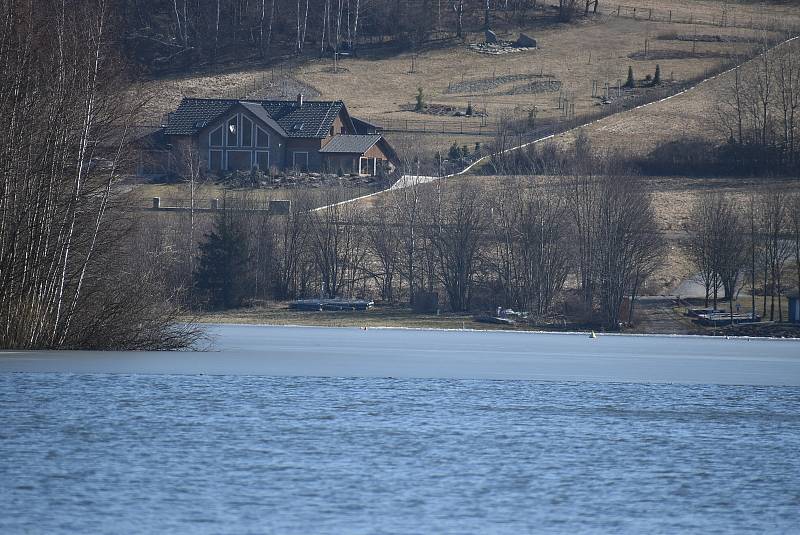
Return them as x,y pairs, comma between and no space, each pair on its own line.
688,115
379,84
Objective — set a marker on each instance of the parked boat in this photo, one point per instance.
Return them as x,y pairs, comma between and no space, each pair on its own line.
725,318
336,304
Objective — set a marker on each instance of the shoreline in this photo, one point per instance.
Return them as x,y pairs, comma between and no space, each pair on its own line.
280,351
659,315
599,334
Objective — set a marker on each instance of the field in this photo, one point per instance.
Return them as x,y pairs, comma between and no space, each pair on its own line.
692,114
380,316
380,84
574,55
780,13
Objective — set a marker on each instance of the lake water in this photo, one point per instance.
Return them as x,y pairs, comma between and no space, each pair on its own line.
106,450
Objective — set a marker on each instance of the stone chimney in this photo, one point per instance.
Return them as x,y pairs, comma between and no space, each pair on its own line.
299,100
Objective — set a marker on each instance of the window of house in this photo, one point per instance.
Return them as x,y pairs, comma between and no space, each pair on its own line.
300,160
262,138
239,160
215,138
247,132
262,160
233,131
367,166
215,160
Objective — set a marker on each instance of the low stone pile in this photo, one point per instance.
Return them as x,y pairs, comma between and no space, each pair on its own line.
495,46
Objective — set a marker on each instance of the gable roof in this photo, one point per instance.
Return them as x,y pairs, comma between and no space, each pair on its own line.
311,120
351,144
259,111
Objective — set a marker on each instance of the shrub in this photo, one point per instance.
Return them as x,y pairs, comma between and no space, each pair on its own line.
657,77
469,109
420,100
454,153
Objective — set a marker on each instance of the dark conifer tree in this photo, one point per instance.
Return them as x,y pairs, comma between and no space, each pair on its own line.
222,270
630,82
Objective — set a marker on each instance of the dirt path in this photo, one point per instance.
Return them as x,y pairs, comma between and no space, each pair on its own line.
657,315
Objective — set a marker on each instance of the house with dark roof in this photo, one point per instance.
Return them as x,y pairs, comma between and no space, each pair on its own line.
225,135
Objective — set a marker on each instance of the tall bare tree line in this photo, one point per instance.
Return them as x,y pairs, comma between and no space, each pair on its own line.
759,109
64,277
748,245
177,33
514,245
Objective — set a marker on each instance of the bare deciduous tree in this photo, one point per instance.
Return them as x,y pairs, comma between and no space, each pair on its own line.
531,234
335,241
62,237
383,234
455,229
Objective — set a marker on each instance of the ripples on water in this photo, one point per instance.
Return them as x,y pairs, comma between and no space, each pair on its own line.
225,454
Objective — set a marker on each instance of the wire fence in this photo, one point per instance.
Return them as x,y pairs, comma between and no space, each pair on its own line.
727,17
466,126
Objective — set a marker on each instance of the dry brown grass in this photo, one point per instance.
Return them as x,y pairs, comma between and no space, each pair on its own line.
380,316
692,114
740,12
639,131
380,87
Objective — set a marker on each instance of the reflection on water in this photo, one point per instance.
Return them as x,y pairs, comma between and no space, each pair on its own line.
228,454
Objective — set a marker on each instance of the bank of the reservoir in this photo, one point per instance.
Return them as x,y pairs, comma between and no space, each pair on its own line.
416,353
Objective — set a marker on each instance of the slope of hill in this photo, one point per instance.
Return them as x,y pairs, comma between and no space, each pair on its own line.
552,81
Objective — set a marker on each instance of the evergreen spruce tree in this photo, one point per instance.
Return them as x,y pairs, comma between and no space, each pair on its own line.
630,83
222,268
420,100
657,77
454,153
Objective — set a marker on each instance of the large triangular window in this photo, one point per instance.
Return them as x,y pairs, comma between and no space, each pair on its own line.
215,138
262,138
233,131
247,132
